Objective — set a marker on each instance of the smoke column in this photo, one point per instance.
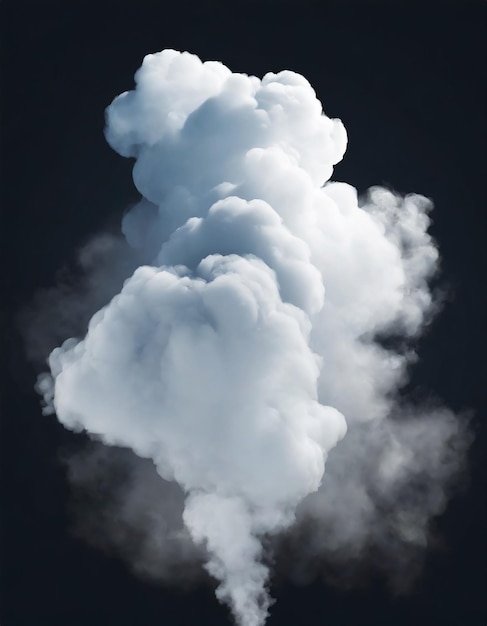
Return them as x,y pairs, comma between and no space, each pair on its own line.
244,356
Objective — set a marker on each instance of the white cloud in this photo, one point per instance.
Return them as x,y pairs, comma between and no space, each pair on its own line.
234,355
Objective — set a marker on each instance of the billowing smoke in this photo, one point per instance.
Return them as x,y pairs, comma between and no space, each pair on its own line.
255,355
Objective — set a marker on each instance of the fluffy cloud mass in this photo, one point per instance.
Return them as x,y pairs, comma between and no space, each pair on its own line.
242,356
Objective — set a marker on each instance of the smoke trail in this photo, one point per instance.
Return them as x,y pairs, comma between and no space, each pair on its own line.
231,357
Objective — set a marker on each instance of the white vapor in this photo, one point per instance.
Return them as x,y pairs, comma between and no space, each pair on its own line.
234,357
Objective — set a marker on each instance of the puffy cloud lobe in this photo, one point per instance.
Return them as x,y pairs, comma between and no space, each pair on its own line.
154,361
220,117
249,228
170,85
230,357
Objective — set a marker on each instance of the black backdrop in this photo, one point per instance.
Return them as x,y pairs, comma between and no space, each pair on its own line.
409,83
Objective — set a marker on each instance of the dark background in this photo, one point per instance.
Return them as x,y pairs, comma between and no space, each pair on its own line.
408,80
